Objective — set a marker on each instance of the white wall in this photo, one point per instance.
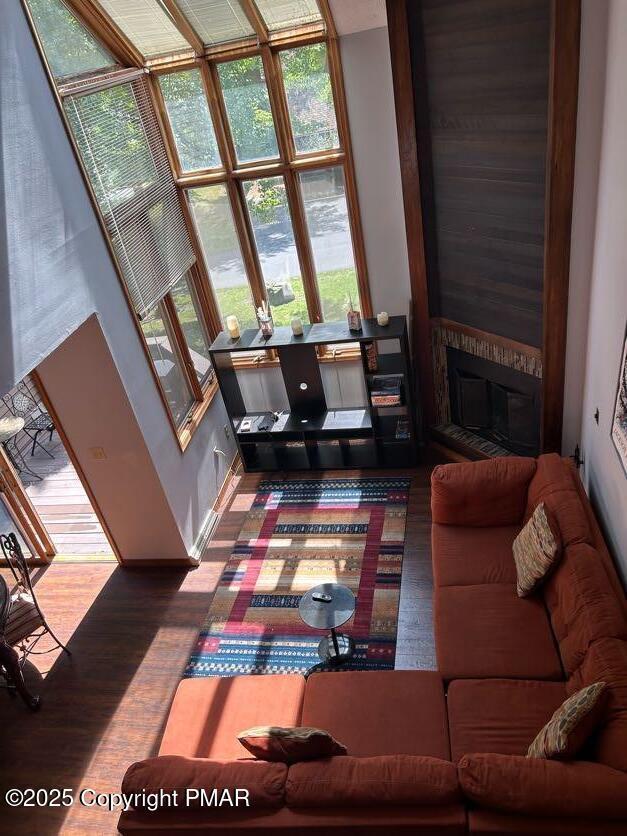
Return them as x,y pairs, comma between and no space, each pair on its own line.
55,271
97,413
587,158
603,254
372,117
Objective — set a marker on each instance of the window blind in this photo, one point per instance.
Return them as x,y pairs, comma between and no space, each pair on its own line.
217,21
288,14
148,26
118,137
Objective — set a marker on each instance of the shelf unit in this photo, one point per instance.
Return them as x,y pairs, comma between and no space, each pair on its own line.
310,435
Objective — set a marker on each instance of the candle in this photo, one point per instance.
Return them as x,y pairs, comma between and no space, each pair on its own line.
233,327
383,318
297,326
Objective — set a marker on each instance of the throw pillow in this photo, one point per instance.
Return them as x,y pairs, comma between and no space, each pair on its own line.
571,725
289,745
536,550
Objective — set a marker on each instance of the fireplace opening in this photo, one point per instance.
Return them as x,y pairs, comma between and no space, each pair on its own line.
496,402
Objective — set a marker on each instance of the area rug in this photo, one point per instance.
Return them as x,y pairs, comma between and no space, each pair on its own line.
299,534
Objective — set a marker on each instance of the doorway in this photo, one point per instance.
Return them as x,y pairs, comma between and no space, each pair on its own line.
43,495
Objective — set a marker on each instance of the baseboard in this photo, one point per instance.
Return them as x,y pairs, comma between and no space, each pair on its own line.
165,563
206,532
212,518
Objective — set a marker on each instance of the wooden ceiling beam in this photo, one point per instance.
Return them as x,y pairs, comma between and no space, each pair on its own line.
255,19
98,22
184,26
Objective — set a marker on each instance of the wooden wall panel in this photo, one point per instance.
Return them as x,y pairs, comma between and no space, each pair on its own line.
481,81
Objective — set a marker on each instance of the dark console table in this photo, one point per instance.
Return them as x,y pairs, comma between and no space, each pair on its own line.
310,435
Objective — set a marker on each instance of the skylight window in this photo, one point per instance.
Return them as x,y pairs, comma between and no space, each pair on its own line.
217,21
70,49
288,14
147,25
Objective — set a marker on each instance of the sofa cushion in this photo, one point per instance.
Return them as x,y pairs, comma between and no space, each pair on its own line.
289,744
463,555
488,631
571,725
264,782
208,713
384,780
597,539
380,712
606,661
537,787
485,493
536,550
449,820
553,485
499,715
482,822
582,604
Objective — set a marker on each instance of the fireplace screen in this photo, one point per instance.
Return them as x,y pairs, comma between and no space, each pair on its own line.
491,407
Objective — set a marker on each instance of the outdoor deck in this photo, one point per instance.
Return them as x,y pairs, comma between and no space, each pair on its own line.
53,487
63,505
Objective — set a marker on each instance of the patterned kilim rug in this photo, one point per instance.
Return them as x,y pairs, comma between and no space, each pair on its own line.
299,534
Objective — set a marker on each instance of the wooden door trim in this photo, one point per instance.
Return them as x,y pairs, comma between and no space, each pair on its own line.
560,177
24,511
77,466
410,178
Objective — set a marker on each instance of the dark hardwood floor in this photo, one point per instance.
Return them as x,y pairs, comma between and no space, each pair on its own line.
130,632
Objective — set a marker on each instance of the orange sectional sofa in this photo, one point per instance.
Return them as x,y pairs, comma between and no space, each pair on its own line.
436,752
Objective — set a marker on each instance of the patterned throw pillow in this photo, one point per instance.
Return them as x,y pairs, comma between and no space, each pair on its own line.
289,745
536,550
571,725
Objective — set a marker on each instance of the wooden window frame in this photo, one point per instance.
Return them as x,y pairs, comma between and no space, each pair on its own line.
288,165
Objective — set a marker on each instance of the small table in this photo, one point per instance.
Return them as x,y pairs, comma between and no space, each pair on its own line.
327,607
10,427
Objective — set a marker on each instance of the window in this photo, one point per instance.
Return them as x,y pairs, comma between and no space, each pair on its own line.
284,172
148,26
119,140
288,14
189,314
217,21
167,363
248,109
326,212
212,213
272,227
70,49
310,98
223,179
190,120
117,135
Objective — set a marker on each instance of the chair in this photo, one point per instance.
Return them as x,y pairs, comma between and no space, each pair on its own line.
25,624
10,667
24,405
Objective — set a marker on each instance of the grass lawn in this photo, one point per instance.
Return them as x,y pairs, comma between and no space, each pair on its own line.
335,287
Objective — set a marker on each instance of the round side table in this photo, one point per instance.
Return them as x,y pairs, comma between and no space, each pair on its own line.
327,607
10,427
